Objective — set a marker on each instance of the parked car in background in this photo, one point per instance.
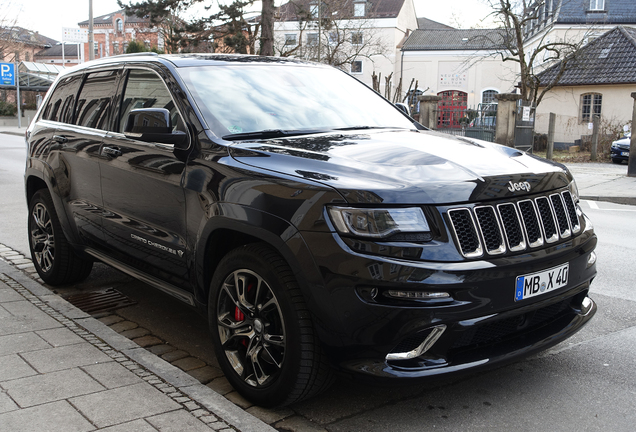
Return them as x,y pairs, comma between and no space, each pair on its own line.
315,224
619,151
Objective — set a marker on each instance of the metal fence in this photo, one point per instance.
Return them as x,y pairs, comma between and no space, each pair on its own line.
479,122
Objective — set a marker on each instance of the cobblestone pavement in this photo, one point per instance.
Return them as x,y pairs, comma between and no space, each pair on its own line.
62,370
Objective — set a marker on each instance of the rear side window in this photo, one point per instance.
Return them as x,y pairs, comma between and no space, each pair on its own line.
95,99
62,102
145,89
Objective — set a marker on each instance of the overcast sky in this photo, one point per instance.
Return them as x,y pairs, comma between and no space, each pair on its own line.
49,16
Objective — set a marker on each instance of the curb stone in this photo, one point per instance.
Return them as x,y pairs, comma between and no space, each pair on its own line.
204,403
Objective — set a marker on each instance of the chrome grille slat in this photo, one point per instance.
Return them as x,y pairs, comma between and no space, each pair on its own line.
531,225
464,227
490,230
514,226
561,217
547,219
571,211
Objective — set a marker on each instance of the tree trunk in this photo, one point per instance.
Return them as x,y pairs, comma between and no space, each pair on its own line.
267,28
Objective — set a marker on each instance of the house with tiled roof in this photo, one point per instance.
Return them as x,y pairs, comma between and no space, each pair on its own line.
112,33
459,65
361,37
19,44
599,80
575,21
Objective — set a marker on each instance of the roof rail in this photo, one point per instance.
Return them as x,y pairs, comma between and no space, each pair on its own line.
153,54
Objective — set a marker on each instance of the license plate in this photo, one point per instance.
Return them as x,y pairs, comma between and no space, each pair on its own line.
535,284
624,153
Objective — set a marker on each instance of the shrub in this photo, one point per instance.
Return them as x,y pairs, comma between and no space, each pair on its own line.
7,109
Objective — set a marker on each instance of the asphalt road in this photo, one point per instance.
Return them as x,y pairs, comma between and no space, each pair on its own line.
587,383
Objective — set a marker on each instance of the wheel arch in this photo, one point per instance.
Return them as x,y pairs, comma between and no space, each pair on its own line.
225,233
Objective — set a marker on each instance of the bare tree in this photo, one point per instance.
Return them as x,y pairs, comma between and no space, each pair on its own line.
337,38
515,17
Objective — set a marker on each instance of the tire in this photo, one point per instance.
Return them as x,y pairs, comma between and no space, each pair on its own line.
53,257
617,161
263,335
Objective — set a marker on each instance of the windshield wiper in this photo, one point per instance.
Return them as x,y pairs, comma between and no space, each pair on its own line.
267,134
366,127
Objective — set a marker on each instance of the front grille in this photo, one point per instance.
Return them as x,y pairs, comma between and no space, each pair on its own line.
515,226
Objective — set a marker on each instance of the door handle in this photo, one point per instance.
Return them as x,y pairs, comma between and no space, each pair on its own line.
111,151
59,138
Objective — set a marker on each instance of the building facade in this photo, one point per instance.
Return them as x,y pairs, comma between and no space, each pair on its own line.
460,66
113,32
598,82
359,37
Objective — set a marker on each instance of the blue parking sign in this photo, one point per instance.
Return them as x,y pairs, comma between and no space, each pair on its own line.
7,74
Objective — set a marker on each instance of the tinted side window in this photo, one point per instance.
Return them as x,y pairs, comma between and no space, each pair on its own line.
145,89
93,104
62,102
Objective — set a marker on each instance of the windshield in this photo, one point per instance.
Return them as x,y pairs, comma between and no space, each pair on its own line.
239,99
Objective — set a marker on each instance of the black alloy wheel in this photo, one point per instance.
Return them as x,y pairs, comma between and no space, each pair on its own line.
263,335
53,258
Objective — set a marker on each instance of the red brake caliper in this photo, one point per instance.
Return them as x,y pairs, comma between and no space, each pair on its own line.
240,316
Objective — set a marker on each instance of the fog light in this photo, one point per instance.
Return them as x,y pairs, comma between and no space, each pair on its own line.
417,295
591,260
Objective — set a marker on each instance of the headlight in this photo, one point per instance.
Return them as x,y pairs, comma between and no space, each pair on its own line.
378,223
614,145
574,191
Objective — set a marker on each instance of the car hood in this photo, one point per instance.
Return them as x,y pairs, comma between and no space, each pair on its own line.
401,166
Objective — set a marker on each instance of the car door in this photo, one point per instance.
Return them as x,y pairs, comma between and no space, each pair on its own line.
144,202
84,117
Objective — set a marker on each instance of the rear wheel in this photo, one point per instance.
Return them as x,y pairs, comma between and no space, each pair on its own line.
54,260
262,330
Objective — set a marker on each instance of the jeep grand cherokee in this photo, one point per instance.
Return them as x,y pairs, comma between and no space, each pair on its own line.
316,225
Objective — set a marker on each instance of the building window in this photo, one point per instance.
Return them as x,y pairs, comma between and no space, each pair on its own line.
120,25
312,39
96,48
290,39
590,105
356,38
116,48
27,56
333,38
597,4
488,96
313,9
16,56
359,9
356,67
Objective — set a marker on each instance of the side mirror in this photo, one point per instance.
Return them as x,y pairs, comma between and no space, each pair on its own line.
402,107
154,125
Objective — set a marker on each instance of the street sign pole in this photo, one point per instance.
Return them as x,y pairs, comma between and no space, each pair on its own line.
17,97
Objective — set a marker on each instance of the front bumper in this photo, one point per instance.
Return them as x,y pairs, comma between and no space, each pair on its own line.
483,323
618,154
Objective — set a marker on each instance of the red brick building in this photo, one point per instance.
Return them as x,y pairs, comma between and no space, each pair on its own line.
112,33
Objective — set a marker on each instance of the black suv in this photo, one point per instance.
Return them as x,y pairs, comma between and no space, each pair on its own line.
316,224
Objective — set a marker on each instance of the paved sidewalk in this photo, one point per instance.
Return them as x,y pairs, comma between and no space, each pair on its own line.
62,370
604,182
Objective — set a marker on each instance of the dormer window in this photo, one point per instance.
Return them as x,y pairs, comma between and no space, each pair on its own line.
597,4
359,9
119,24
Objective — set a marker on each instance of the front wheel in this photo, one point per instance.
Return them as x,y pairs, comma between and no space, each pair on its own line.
53,257
262,330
